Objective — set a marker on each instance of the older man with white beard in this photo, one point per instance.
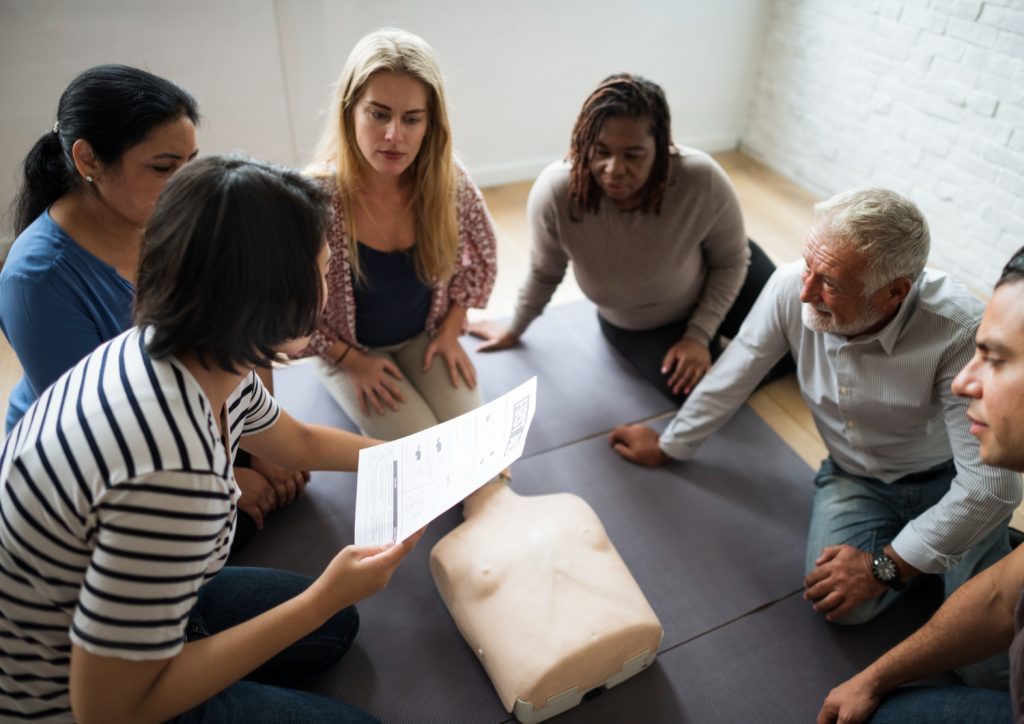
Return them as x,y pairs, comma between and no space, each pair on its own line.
878,340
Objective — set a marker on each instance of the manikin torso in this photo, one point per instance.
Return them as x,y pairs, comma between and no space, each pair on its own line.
543,598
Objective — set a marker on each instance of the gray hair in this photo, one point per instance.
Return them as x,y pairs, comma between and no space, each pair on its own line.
882,225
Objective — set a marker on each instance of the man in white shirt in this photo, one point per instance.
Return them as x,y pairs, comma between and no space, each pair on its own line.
987,614
878,340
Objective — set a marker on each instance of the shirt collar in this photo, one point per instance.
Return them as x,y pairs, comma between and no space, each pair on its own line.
889,335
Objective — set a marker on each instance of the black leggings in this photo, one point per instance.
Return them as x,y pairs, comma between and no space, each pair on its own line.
645,349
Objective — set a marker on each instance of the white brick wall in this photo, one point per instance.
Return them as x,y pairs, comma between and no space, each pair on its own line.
923,96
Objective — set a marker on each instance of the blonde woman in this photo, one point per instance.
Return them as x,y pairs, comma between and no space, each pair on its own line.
412,245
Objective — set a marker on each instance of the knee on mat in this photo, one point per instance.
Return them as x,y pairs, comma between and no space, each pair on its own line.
338,633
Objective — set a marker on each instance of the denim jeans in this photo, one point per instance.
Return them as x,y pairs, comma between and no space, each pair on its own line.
868,513
944,705
238,594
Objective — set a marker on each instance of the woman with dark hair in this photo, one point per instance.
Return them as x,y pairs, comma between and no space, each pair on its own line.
654,233
118,492
89,188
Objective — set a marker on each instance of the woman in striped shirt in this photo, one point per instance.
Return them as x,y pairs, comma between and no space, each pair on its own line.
117,497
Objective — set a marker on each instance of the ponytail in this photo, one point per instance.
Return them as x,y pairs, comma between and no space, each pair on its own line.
49,174
112,107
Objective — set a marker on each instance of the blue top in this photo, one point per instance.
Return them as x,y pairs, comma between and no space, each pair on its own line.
392,302
58,303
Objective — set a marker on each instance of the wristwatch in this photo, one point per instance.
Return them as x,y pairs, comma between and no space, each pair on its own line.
884,568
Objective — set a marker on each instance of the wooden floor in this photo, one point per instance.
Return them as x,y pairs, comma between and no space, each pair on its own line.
777,214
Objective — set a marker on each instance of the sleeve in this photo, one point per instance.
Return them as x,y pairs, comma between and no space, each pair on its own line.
548,259
158,539
760,343
980,497
263,410
476,265
338,307
727,255
47,327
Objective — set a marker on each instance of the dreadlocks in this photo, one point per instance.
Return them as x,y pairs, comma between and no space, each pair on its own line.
622,95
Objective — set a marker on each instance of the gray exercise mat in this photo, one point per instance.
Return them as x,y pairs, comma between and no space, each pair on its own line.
775,665
708,541
297,387
583,386
568,409
409,663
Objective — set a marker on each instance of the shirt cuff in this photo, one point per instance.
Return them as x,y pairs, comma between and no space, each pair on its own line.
914,550
520,322
674,448
697,334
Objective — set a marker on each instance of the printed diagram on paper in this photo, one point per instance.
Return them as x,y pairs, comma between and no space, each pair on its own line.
405,484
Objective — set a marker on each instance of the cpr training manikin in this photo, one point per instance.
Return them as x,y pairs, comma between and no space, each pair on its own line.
541,595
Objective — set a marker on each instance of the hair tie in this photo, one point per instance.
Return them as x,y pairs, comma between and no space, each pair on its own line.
56,126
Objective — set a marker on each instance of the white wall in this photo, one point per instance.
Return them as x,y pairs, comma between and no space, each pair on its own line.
518,72
923,96
223,52
262,69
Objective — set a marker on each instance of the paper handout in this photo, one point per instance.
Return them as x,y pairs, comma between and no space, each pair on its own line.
405,484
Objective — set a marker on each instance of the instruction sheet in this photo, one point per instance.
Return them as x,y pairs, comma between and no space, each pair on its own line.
405,484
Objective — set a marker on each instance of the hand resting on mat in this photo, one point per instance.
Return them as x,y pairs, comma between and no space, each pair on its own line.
495,336
638,444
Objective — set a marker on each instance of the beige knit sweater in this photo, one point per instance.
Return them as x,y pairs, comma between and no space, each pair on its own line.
642,270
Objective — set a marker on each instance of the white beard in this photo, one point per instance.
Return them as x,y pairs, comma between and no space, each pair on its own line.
818,321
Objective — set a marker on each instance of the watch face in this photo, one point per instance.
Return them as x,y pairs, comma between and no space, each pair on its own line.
884,568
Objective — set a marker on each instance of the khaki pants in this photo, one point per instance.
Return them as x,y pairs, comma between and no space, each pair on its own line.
429,396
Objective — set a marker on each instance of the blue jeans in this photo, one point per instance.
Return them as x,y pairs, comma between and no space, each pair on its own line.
867,513
237,594
944,705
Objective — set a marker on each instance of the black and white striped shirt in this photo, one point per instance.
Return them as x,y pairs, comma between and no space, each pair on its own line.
117,502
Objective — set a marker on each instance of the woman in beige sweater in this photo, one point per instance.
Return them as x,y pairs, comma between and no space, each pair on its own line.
654,233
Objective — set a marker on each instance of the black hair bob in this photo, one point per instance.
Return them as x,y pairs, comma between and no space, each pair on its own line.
229,263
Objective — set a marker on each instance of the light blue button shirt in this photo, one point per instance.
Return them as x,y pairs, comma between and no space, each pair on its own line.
882,403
